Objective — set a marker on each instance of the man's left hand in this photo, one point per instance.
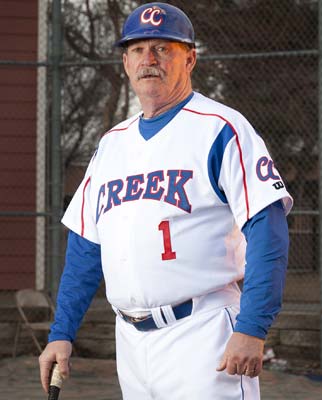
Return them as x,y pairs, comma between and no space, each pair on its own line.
243,355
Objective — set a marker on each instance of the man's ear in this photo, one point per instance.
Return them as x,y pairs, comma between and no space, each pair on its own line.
125,63
191,59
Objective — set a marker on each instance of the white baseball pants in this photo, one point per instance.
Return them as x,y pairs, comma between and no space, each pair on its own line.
179,362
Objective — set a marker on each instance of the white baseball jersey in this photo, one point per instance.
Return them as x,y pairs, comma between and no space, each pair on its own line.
168,211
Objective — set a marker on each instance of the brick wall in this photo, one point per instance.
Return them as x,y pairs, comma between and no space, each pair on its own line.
18,107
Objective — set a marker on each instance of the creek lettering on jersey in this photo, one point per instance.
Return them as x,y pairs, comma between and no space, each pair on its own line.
167,186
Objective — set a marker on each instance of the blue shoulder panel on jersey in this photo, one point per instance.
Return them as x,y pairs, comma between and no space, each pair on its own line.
266,263
79,282
150,127
215,159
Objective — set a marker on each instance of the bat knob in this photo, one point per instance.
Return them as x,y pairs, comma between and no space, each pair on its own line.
53,392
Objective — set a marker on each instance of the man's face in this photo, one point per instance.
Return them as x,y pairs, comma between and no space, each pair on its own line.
159,68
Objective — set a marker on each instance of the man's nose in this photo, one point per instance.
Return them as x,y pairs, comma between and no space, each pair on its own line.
149,57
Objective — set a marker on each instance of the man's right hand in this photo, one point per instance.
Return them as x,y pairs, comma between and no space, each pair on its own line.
58,351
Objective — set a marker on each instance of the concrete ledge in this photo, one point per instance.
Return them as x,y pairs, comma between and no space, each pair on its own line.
303,320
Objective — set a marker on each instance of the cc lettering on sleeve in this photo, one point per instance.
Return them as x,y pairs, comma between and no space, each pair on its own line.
265,171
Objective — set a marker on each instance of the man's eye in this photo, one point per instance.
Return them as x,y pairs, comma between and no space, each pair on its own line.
137,50
161,49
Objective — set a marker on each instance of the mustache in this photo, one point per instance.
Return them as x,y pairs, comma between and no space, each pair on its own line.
149,71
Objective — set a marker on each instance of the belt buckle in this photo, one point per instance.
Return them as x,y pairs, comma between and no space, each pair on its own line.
134,320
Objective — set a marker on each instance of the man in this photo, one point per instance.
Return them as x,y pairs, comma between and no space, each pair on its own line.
163,212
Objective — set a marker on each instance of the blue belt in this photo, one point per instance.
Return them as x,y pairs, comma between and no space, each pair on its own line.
147,323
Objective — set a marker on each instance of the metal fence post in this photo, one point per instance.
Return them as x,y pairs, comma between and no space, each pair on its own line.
56,179
320,169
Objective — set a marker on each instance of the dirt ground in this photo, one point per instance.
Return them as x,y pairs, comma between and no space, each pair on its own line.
97,380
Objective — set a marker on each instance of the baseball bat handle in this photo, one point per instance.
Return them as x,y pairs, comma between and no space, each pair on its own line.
55,383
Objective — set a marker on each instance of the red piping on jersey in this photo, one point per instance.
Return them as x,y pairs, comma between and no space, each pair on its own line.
120,129
83,205
239,149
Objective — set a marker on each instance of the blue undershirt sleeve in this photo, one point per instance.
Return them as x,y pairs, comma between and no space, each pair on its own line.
266,263
79,282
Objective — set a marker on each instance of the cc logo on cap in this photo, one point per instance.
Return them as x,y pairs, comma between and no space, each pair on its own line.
151,15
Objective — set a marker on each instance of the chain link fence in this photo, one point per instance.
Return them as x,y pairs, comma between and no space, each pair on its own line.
260,57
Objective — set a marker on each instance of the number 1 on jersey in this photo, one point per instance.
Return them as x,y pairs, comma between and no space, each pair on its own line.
168,254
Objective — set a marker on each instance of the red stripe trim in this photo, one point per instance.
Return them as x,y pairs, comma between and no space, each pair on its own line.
239,149
120,129
83,206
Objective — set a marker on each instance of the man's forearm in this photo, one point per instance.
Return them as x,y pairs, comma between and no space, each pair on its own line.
266,263
79,282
